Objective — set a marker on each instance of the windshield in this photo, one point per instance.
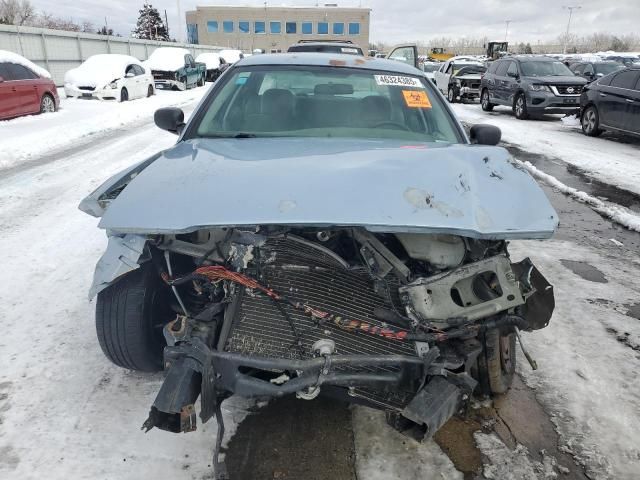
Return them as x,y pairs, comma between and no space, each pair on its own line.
606,68
315,101
544,69
459,66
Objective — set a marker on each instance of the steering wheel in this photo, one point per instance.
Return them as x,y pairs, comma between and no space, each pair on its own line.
400,126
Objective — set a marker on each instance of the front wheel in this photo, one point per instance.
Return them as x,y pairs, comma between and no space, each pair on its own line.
497,362
184,85
201,81
150,90
487,106
130,316
590,121
47,104
451,95
520,107
124,95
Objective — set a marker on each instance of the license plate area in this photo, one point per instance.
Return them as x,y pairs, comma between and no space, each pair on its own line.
570,101
87,95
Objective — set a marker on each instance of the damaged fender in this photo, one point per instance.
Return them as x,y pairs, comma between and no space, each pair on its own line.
122,256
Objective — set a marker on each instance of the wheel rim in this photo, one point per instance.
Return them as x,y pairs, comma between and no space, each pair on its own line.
48,105
451,95
589,120
485,99
519,106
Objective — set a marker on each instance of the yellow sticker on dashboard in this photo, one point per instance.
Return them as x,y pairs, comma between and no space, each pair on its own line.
416,99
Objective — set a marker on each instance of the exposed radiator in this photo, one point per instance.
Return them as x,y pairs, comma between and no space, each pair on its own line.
309,275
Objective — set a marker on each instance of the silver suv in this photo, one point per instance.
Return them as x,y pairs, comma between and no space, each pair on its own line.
531,85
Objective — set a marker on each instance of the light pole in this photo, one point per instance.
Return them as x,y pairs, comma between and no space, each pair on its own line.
566,35
506,31
180,29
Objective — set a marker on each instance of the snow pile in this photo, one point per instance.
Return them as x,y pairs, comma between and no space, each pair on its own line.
588,372
382,453
167,59
80,122
11,57
211,60
571,121
100,70
617,213
506,464
231,56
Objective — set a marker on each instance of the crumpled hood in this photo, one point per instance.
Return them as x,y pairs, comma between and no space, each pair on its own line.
382,185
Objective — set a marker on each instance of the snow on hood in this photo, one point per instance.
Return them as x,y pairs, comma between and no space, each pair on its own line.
382,185
231,56
11,57
167,59
212,60
100,70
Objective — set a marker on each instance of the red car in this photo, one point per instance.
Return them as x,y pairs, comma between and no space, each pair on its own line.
22,90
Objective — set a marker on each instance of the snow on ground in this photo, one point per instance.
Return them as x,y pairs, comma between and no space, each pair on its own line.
589,357
383,453
609,161
80,121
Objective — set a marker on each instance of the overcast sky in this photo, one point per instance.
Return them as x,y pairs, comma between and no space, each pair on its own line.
404,20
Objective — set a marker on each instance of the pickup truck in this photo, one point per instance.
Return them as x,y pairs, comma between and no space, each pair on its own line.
175,68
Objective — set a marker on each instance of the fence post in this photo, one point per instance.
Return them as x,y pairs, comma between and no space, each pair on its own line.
44,50
108,45
146,51
20,40
79,48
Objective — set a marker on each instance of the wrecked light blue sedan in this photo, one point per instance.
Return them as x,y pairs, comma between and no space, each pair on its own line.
322,226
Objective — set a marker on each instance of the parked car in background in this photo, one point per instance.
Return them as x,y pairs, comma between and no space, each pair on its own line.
290,242
630,60
531,85
232,56
612,103
456,68
326,46
429,69
591,71
25,88
175,68
215,65
109,76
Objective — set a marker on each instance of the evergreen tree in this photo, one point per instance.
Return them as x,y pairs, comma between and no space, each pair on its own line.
150,25
527,48
105,31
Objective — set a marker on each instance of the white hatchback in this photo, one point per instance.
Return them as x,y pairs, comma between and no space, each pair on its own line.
114,76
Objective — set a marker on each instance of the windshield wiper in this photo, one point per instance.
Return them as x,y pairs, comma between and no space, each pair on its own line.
233,135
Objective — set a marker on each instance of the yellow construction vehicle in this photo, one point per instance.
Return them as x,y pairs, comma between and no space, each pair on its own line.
440,54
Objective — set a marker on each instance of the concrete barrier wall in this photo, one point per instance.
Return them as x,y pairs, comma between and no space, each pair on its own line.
59,51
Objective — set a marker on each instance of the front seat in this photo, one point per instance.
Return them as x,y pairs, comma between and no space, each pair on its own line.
375,109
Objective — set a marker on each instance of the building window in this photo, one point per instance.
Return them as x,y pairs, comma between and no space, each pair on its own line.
227,26
323,28
275,27
354,28
259,27
212,26
307,28
338,28
192,33
290,27
243,26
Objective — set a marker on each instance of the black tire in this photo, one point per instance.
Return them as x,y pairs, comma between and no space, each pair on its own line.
130,315
497,362
590,121
150,91
451,95
520,107
124,95
47,104
486,105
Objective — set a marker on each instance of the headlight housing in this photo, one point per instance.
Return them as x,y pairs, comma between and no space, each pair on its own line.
539,88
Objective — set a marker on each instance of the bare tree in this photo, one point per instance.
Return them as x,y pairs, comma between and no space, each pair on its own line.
16,12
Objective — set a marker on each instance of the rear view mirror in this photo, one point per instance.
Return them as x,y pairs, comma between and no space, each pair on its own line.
484,134
170,119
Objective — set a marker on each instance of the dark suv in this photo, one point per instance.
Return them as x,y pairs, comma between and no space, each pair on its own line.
531,85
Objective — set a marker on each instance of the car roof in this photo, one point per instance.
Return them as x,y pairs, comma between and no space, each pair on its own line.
531,58
332,44
330,59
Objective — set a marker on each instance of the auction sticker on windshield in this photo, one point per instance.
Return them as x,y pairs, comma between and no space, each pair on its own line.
416,99
397,81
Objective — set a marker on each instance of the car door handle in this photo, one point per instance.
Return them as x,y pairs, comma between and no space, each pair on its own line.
630,100
603,94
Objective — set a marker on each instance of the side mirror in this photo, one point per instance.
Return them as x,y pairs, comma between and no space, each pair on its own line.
170,119
483,134
512,75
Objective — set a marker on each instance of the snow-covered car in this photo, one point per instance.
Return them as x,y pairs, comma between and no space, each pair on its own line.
175,68
25,88
109,76
460,75
323,223
232,56
215,65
